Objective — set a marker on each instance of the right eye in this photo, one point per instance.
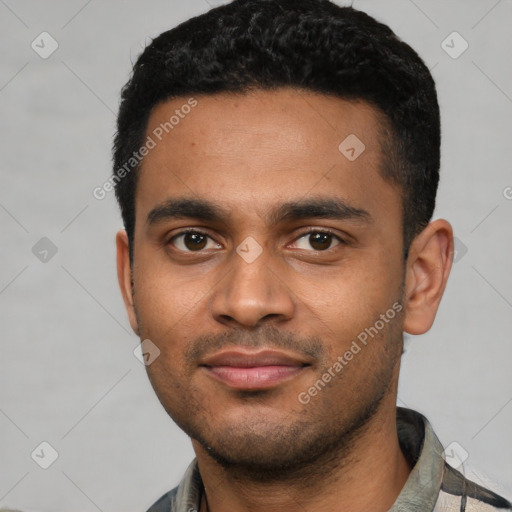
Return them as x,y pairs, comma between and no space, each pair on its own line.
192,241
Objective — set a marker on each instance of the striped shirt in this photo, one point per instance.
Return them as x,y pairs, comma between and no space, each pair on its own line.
432,486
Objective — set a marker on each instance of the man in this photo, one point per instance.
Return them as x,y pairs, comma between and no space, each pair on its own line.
276,165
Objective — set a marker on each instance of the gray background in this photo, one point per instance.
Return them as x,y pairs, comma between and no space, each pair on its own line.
68,373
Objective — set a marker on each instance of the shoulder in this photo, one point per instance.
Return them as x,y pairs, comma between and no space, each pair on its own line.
460,494
186,496
165,503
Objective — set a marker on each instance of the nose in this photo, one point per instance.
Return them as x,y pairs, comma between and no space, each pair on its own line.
251,292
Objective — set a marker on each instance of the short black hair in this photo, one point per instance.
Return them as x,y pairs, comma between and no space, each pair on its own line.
312,45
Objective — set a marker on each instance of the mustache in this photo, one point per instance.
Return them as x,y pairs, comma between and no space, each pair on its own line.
266,336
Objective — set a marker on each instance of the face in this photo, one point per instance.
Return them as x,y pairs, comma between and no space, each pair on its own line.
264,254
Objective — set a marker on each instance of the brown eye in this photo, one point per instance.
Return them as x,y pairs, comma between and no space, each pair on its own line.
191,241
317,240
194,241
320,241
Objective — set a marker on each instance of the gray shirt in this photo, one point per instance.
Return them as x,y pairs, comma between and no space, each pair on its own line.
432,486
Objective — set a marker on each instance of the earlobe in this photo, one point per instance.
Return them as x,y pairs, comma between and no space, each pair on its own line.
124,276
427,270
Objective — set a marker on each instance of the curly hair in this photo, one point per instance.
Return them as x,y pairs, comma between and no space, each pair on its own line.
312,45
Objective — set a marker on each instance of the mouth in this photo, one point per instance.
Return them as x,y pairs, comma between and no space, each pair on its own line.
249,370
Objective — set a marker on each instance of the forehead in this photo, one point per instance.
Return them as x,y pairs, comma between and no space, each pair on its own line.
253,149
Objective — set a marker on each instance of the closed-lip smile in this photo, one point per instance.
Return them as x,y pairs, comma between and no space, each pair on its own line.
253,370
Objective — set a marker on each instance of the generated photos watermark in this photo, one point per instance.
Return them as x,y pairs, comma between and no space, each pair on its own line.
304,397
100,192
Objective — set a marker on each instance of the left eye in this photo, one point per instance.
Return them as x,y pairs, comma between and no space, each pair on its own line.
318,240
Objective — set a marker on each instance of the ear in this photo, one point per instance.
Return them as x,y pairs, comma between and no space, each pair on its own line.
427,270
124,276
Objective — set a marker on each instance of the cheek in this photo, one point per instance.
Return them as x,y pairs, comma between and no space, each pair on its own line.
166,299
348,296
168,385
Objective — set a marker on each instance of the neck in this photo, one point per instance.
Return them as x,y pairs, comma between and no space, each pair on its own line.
369,477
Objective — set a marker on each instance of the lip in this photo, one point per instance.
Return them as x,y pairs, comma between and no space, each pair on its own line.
250,370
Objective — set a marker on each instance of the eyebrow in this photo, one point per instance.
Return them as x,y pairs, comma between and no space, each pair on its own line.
201,209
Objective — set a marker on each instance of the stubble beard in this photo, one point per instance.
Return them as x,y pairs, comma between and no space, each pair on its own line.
316,441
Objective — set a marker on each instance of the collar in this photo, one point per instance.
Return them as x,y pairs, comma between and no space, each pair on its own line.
418,442
424,452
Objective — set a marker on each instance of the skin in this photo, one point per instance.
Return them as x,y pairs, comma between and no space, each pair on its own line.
264,449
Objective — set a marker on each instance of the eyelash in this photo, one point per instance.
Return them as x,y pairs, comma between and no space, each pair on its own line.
310,231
